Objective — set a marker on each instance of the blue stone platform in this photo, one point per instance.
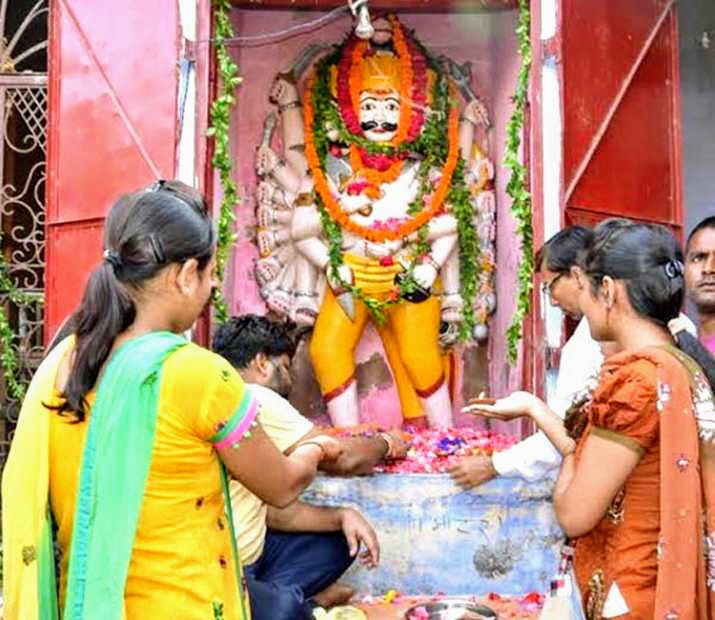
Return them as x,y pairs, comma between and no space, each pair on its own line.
435,537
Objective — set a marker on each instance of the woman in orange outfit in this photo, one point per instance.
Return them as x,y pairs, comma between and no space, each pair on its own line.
637,492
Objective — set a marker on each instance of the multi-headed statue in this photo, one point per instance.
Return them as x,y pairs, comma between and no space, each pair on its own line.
380,209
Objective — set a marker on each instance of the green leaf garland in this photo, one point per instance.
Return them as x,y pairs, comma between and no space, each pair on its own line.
517,186
221,109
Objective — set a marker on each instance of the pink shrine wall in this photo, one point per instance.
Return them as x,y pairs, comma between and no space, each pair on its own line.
485,39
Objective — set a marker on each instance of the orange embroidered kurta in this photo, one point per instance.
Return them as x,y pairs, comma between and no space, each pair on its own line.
650,545
622,547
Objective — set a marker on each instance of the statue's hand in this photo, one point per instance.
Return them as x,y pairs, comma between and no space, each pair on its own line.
267,217
345,275
264,193
266,241
413,237
266,160
425,275
282,92
476,112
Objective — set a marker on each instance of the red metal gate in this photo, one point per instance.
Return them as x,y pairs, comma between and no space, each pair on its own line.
112,126
621,111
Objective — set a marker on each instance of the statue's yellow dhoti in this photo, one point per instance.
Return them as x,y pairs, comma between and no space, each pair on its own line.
409,336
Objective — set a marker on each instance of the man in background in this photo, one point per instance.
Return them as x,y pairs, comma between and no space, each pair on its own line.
581,358
700,278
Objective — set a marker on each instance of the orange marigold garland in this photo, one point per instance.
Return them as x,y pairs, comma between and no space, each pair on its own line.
332,205
372,174
355,77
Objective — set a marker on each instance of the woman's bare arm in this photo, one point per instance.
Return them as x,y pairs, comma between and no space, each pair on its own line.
258,465
584,492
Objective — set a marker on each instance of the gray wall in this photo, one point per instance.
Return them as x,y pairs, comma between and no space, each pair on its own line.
697,82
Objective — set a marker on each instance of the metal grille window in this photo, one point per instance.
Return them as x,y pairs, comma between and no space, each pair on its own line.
23,152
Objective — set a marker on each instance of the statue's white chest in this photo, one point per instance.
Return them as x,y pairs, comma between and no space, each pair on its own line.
393,204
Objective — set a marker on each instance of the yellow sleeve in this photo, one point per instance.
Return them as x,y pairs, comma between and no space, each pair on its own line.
215,401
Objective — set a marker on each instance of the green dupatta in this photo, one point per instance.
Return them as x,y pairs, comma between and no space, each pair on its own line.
115,464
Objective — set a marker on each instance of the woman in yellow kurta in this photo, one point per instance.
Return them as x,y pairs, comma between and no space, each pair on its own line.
124,434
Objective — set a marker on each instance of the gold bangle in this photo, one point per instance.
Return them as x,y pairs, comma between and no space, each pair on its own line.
304,199
390,445
309,442
291,104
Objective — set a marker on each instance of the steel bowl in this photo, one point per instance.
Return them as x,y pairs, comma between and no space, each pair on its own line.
453,609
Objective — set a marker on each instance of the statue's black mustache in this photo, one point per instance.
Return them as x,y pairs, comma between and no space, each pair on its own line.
370,125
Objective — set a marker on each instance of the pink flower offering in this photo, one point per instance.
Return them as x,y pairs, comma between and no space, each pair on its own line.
433,451
390,224
419,614
357,187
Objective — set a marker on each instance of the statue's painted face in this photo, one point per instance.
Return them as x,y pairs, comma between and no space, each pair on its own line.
379,115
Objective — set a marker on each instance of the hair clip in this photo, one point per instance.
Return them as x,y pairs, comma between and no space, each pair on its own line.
156,185
673,269
113,259
677,325
156,249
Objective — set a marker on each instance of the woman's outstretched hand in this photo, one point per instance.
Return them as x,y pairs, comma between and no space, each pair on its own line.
516,405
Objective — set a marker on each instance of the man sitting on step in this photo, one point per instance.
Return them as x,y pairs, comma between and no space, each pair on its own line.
293,556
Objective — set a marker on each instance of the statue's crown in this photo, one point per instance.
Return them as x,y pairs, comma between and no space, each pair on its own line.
380,72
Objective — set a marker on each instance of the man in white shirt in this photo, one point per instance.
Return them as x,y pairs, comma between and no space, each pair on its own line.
581,359
293,556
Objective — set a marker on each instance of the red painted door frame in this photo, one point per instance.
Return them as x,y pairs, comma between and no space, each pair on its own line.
622,136
112,127
534,369
617,65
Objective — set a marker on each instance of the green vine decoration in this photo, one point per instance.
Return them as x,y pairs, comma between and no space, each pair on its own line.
14,386
517,186
432,147
221,109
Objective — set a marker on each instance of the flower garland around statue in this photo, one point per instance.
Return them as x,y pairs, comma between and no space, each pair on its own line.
332,126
